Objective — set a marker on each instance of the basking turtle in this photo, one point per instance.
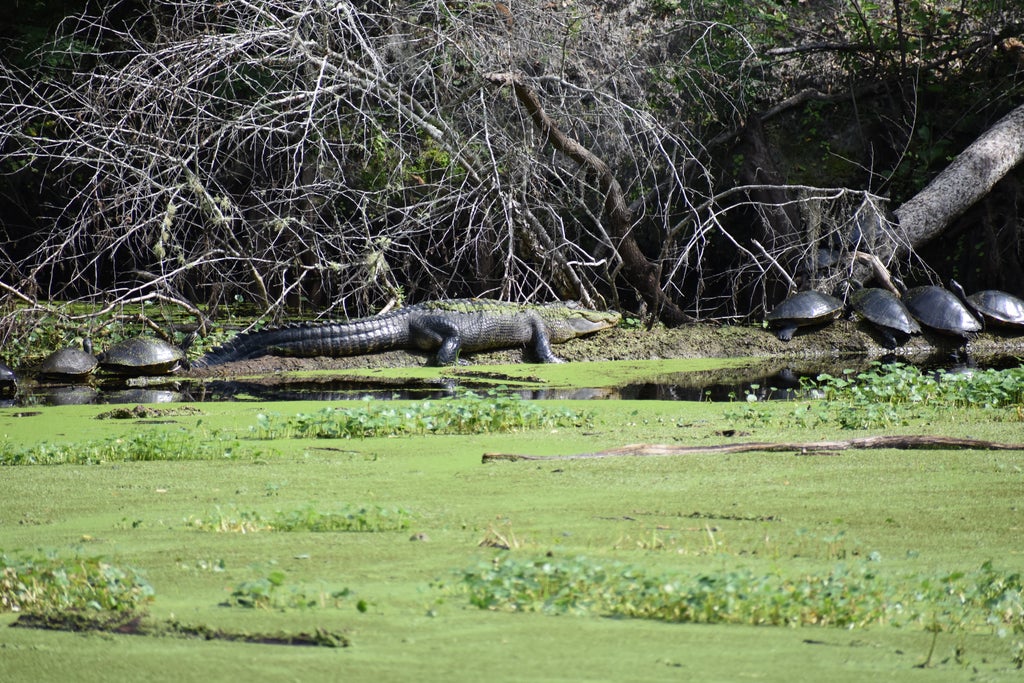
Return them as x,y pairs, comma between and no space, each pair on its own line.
887,313
72,364
142,356
940,310
992,306
8,381
801,310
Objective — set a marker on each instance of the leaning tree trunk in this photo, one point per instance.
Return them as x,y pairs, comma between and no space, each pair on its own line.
966,180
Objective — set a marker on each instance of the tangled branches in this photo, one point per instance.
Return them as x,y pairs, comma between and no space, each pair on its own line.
338,155
328,152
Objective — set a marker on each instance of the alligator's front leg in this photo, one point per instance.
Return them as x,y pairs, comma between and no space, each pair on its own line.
542,343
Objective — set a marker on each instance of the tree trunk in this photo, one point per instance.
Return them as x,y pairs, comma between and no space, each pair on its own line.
966,180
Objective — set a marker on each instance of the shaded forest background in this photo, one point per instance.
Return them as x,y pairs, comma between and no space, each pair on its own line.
677,160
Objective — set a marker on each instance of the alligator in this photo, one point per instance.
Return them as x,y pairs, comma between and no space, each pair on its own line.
447,327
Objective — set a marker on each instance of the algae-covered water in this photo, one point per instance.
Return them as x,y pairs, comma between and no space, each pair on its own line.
398,593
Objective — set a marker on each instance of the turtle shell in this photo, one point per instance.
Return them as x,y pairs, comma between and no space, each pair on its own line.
69,363
142,356
803,309
941,310
8,381
887,312
998,307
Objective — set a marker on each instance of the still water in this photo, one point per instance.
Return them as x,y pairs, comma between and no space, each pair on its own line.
766,383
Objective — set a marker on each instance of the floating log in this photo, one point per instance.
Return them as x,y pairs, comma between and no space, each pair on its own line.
906,442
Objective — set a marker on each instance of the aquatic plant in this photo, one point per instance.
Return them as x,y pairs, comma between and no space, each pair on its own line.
898,384
141,446
44,584
468,413
892,394
347,518
271,592
847,596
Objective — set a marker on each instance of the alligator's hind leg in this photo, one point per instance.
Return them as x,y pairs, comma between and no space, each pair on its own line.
435,332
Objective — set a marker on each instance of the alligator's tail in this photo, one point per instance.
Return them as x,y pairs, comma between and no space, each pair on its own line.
308,340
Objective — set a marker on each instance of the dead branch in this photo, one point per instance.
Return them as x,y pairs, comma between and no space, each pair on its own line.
904,442
641,273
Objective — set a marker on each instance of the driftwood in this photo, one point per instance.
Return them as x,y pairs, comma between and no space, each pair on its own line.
920,441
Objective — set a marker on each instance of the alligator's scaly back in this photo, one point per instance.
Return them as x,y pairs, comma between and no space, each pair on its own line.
447,327
310,339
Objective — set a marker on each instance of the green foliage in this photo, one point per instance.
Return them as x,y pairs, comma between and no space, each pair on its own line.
138,447
358,518
271,592
847,596
888,394
891,394
48,584
470,413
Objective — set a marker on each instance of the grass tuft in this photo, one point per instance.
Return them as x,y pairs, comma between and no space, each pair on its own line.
140,447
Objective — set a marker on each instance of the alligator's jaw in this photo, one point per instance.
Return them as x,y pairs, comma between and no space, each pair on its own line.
580,323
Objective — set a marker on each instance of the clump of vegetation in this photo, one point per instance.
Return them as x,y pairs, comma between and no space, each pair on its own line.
901,384
469,413
892,394
348,518
271,592
139,447
847,596
46,585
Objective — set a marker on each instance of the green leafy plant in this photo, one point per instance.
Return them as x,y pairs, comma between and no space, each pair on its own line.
886,395
469,413
848,596
271,592
49,584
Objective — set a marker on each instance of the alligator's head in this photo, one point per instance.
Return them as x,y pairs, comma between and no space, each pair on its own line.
569,320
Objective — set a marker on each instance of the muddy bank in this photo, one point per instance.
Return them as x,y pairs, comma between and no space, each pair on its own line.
841,340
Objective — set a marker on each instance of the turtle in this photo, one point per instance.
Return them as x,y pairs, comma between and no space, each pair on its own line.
803,309
142,356
992,306
940,310
8,381
71,363
887,313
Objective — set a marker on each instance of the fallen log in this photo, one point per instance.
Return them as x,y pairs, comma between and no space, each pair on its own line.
913,441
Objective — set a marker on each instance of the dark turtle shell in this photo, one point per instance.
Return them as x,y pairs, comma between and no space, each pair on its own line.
803,309
8,380
69,363
993,306
142,356
887,313
940,310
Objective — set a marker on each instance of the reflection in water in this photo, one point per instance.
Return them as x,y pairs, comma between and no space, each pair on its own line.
715,386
